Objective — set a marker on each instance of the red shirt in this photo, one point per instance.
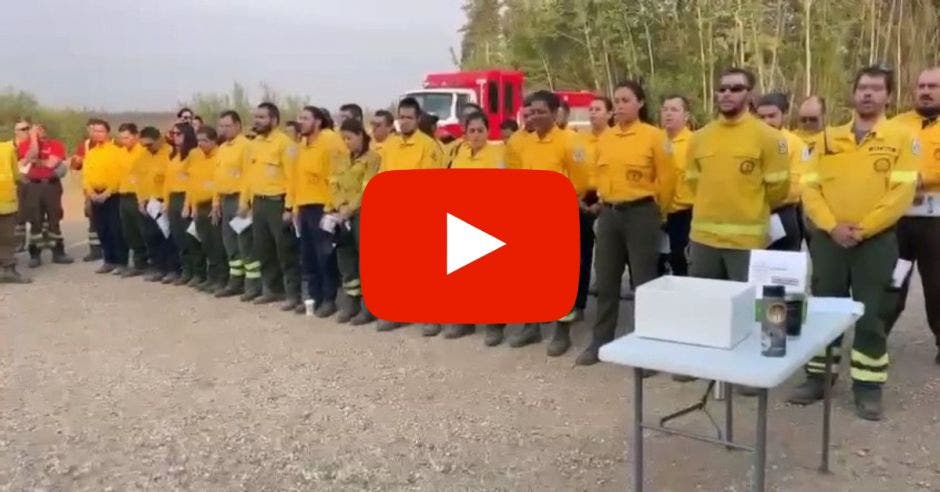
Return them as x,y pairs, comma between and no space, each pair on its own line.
47,148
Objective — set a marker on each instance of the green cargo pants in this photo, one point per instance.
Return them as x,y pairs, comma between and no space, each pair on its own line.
347,256
191,257
864,272
275,246
131,226
718,263
210,237
238,247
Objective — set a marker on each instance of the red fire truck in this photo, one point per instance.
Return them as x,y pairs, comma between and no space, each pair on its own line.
498,92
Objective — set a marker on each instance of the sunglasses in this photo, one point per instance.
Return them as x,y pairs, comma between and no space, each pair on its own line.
733,88
22,129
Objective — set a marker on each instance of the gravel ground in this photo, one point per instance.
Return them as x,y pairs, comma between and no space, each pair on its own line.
123,385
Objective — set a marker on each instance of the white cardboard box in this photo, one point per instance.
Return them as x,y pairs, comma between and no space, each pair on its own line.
790,269
697,311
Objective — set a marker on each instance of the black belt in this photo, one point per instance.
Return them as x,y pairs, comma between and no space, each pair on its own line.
270,198
44,181
620,206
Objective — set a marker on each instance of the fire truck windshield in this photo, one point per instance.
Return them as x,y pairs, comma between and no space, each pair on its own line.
440,104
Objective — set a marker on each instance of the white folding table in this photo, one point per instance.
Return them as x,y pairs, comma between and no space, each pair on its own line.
826,320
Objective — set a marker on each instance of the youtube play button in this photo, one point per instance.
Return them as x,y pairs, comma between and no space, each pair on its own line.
469,246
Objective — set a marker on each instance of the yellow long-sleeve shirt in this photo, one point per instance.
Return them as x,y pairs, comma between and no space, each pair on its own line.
559,151
683,197
152,169
130,176
798,155
102,169
177,175
348,182
271,167
738,171
9,173
417,151
928,134
634,162
202,168
489,157
869,183
233,163
810,139
514,147
317,161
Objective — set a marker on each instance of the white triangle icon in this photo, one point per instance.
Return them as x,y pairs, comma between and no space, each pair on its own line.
466,244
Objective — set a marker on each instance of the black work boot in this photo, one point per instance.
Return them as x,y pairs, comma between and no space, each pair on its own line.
196,281
35,256
135,271
268,298
561,340
868,402
291,303
364,317
252,290
325,309
529,334
106,268
59,256
494,335
589,356
235,287
350,309
9,275
431,329
94,254
170,278
810,391
457,331
389,325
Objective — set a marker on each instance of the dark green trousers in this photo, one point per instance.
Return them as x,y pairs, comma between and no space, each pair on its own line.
625,232
275,246
919,243
210,237
718,263
131,226
864,272
238,247
191,258
347,256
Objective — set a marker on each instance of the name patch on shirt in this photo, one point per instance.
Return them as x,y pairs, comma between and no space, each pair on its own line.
782,147
747,167
882,165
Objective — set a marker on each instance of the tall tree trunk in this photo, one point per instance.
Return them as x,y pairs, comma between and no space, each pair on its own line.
649,49
701,48
808,51
902,80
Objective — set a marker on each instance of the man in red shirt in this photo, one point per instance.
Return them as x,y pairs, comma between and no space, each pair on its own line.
42,166
76,162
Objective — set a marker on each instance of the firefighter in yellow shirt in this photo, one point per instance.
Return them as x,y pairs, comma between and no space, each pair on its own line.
383,128
175,186
674,117
151,169
101,178
919,233
812,121
9,204
267,195
131,220
856,189
738,170
200,192
319,156
346,187
772,109
635,180
411,149
244,272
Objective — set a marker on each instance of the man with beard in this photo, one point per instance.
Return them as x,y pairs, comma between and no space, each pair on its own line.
855,190
267,194
919,237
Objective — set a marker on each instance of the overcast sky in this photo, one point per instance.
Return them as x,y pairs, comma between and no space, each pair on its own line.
151,54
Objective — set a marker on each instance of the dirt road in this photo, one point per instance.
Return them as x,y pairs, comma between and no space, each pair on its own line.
110,384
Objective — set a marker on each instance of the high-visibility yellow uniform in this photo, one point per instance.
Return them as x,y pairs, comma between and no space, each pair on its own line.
152,169
349,179
559,151
271,166
233,164
201,167
514,145
928,134
417,151
634,162
177,175
812,140
102,170
317,161
798,155
451,149
870,183
130,175
590,141
8,178
738,171
683,197
490,156
379,147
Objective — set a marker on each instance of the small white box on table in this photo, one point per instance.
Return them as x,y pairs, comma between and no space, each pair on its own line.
697,311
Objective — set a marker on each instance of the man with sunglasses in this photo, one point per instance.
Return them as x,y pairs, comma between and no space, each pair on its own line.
919,236
738,170
812,121
856,188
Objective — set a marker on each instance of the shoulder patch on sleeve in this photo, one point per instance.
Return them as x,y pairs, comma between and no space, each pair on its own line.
782,146
915,146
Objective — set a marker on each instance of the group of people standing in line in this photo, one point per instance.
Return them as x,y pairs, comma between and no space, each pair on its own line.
263,215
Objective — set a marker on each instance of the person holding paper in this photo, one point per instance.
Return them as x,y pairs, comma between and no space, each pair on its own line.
918,234
203,163
101,177
738,169
244,271
174,206
635,182
772,109
268,195
321,155
151,169
856,189
131,217
346,187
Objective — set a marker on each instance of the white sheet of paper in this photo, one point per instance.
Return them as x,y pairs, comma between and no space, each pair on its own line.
665,246
901,270
787,268
329,222
239,224
191,230
347,225
154,208
164,224
927,205
777,231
